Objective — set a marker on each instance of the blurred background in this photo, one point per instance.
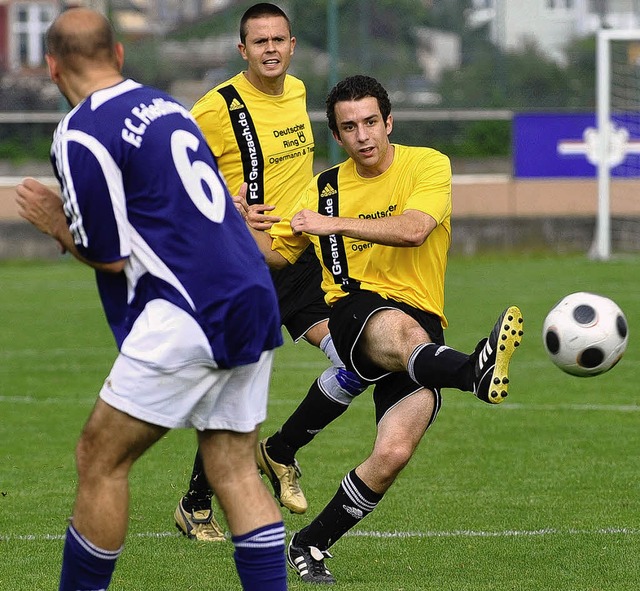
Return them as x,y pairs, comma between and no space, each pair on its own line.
496,55
487,82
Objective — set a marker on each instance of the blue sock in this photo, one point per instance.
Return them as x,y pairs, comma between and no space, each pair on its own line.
85,566
260,558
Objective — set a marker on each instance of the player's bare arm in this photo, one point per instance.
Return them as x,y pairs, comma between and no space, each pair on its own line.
409,229
42,207
264,241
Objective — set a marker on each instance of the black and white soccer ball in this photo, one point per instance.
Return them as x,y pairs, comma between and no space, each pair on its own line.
585,334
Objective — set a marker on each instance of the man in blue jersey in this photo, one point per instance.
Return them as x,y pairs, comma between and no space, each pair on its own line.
187,295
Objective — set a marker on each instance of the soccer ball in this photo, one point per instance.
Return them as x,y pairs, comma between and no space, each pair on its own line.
585,334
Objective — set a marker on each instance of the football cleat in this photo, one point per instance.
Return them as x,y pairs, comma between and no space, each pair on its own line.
492,357
198,525
308,562
284,480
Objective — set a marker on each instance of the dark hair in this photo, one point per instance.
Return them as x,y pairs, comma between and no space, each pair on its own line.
257,11
355,88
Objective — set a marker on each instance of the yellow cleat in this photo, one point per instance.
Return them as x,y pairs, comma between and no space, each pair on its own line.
284,480
198,525
493,356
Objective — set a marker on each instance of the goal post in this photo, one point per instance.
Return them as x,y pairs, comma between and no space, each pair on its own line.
618,121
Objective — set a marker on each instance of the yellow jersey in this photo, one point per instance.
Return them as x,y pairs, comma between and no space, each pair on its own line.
262,139
418,178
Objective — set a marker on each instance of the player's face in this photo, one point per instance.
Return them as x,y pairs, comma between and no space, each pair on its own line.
364,135
268,48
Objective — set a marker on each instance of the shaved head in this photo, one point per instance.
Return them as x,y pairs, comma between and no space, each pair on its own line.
82,54
79,36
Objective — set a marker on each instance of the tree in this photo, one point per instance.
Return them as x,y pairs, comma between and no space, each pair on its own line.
526,79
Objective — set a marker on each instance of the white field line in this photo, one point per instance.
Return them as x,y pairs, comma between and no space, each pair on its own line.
620,408
607,531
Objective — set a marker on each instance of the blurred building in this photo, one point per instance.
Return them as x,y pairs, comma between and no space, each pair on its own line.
550,23
22,29
23,24
511,24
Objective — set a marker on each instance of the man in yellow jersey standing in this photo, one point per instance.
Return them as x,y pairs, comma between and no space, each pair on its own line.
380,225
257,126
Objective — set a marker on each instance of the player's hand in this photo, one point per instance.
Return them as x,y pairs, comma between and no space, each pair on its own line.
240,201
42,207
308,221
258,218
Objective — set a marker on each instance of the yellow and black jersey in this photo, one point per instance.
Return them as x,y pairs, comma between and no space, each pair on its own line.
264,140
418,178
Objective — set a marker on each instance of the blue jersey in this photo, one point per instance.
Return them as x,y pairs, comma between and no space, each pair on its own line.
139,182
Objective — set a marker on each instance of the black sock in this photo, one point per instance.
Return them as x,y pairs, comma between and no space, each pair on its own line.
200,493
436,366
353,501
313,414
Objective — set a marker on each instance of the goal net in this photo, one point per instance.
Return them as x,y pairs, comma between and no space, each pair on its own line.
618,123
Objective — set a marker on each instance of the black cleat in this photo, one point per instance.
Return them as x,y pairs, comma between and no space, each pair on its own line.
308,562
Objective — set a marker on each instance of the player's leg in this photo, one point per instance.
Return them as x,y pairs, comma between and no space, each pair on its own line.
227,444
379,336
401,426
486,373
327,399
194,515
233,454
110,443
304,314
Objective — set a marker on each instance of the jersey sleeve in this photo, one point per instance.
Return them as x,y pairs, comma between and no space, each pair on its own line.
432,189
93,197
208,112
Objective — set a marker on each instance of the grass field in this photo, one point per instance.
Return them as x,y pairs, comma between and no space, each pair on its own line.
541,493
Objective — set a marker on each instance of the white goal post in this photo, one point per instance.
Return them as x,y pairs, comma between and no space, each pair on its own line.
618,116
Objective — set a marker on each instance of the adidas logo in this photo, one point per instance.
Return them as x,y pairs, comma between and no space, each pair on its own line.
328,191
485,354
353,511
235,104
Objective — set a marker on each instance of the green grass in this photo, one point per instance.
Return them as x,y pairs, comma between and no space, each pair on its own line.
538,494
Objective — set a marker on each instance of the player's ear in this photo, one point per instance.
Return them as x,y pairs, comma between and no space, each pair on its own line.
52,64
119,49
242,48
389,124
293,45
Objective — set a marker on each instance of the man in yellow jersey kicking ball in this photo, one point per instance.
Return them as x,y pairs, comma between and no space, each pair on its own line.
257,126
380,225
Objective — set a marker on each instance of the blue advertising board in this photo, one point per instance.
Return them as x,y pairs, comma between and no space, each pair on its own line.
548,145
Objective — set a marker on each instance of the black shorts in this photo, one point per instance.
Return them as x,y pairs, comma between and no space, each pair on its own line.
300,295
348,318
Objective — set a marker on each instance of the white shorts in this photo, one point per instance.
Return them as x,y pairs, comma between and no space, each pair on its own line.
197,395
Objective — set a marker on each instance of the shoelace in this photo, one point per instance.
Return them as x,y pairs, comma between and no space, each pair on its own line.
317,566
294,473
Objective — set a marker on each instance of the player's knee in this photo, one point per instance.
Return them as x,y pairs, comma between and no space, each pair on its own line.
393,458
340,384
93,466
83,457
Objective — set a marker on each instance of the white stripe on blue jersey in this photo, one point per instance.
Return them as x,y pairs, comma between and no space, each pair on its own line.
140,183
